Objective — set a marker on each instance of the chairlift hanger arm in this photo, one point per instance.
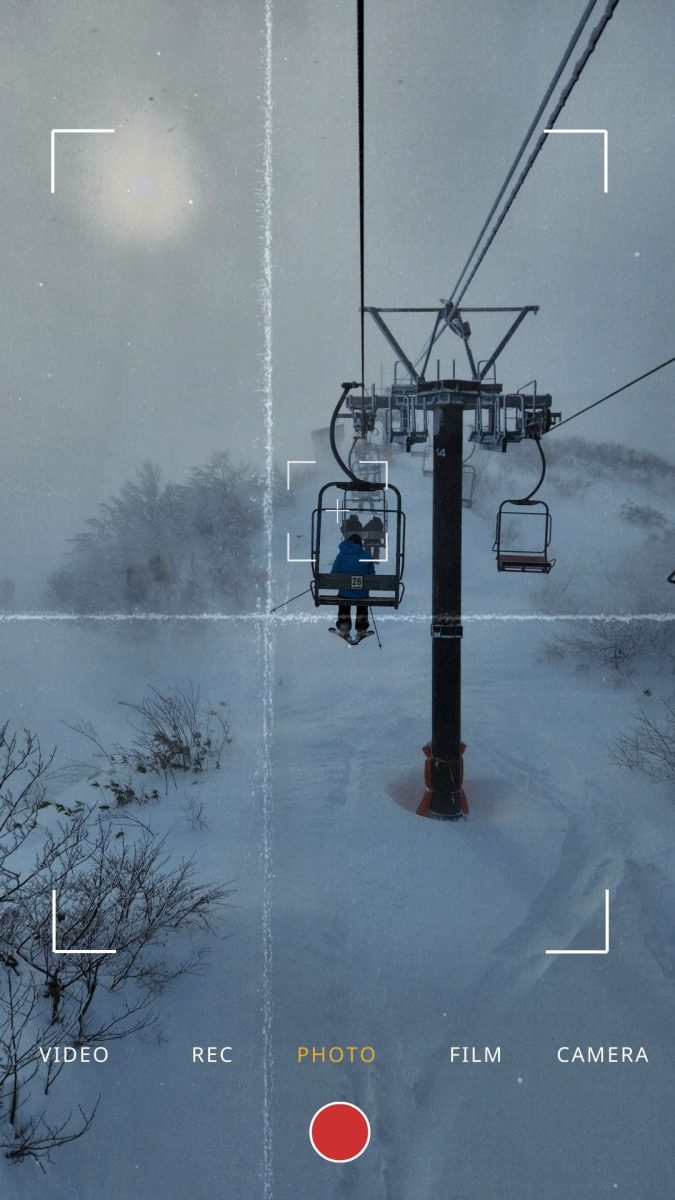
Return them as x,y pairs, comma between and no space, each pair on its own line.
465,334
507,337
361,484
448,316
398,350
528,499
516,308
430,347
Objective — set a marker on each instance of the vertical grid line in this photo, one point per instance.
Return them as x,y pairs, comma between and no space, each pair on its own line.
266,629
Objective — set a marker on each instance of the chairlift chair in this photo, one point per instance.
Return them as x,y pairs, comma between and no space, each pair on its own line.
468,484
330,522
523,536
365,513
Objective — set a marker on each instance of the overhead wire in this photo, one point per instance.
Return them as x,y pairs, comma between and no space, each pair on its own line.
346,387
362,235
451,302
526,140
609,395
564,96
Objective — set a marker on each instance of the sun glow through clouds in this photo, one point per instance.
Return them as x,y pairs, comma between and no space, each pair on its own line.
143,185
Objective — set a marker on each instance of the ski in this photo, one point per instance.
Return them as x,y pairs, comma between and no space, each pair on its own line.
345,636
351,641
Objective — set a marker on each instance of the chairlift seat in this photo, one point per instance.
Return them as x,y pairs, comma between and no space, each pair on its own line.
524,562
372,584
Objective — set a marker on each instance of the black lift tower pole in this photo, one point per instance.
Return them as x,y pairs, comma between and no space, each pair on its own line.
497,420
446,625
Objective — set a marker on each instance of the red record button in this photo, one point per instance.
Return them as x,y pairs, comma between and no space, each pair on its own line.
339,1132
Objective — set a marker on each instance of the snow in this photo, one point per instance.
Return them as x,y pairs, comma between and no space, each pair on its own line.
407,935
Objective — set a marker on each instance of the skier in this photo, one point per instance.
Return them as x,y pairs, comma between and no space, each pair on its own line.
352,525
352,559
374,534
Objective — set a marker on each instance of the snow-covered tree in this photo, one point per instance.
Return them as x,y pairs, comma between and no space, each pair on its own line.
175,547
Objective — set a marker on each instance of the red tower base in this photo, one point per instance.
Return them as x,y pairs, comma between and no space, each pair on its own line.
425,802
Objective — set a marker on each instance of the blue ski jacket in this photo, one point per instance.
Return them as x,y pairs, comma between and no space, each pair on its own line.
353,559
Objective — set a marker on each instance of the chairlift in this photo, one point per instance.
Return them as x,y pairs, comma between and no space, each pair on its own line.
523,533
339,511
522,544
468,484
501,419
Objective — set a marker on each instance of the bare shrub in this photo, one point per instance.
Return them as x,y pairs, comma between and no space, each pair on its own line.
174,732
573,487
650,746
610,460
177,732
194,809
117,888
643,515
614,644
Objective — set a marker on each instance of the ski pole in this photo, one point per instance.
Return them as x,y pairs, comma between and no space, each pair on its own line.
290,600
372,617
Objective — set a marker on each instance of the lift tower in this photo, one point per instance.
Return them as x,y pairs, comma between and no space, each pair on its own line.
498,420
446,608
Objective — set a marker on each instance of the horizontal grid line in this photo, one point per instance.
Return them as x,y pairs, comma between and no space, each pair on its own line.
300,618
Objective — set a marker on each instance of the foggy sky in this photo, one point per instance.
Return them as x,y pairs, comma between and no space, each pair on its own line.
123,341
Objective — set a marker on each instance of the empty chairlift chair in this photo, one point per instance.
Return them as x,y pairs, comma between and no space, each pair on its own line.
523,536
468,484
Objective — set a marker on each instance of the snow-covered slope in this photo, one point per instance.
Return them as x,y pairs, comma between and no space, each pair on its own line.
407,935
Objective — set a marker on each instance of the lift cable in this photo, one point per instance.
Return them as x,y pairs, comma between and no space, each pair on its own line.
609,395
360,58
361,484
525,142
565,94
452,303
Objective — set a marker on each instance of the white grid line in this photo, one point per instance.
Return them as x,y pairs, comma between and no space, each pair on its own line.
288,554
297,462
605,137
377,462
52,154
55,949
263,618
605,948
266,628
